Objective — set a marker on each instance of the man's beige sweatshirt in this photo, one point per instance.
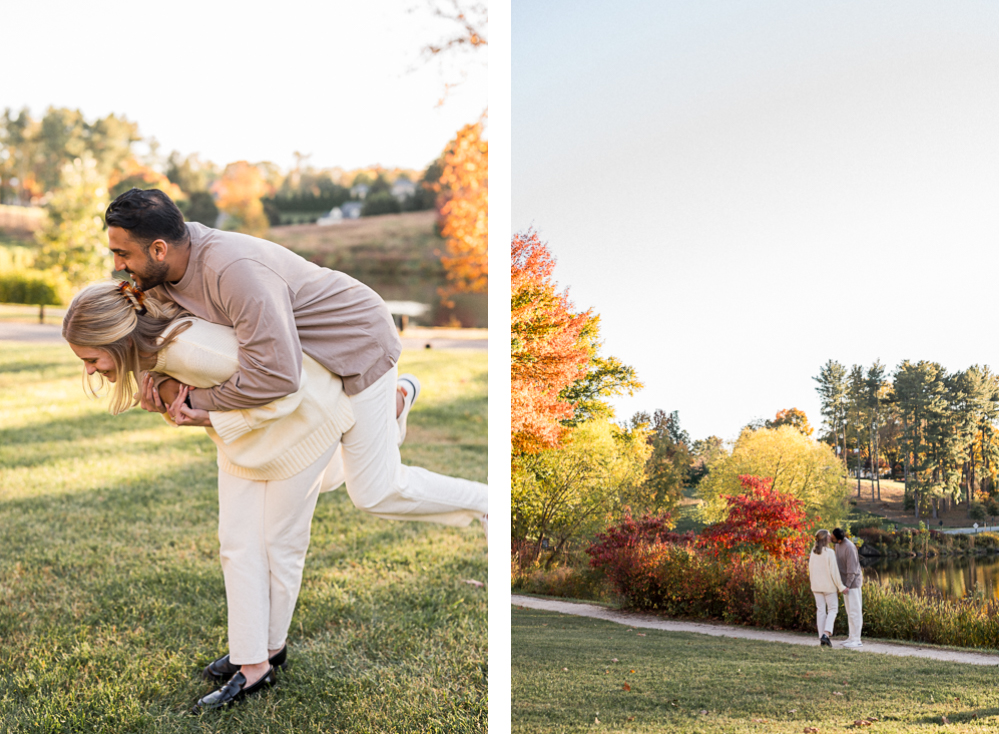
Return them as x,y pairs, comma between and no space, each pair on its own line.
271,442
281,306
848,563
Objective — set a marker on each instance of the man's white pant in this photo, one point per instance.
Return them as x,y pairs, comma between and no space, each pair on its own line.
378,482
826,612
852,600
264,525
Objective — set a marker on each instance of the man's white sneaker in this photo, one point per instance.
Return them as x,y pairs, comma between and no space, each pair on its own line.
853,643
410,386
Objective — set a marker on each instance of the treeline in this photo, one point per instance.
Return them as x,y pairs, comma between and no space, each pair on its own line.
935,430
35,151
73,167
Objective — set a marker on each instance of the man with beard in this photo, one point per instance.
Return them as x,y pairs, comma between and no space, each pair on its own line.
850,572
281,306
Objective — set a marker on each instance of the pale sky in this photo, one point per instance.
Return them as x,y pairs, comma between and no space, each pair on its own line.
248,81
746,190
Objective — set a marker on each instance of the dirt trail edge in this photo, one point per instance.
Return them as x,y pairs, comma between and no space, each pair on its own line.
647,621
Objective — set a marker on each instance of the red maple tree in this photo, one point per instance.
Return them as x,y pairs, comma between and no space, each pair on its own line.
546,350
760,521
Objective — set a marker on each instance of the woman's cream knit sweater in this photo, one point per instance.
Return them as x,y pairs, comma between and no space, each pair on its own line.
274,441
824,575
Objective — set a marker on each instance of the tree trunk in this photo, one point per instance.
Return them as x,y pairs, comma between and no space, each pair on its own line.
878,467
871,460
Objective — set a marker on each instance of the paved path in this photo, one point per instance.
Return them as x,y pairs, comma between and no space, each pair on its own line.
647,621
423,339
38,333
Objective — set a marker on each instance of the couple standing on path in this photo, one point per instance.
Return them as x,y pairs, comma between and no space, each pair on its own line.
832,572
291,368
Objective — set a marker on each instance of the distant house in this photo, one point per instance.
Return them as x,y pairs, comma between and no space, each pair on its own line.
334,216
359,191
403,188
351,209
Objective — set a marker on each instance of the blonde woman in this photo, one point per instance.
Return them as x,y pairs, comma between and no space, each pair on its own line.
824,578
273,462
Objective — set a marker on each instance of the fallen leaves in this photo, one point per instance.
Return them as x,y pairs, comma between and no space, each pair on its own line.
626,687
473,582
837,693
862,723
810,730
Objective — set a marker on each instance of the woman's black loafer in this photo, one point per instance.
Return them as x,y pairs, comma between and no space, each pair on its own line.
234,691
222,669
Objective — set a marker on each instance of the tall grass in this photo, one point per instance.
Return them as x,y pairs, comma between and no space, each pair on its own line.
684,581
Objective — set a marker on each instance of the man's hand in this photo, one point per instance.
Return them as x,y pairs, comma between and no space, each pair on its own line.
182,415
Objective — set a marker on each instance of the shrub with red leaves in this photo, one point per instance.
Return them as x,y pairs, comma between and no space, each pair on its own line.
761,521
629,551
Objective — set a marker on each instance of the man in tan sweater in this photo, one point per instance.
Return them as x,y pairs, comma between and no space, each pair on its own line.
850,572
281,306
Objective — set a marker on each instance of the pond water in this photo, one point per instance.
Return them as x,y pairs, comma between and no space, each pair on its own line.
951,576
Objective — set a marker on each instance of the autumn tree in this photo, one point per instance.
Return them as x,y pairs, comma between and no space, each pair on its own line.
545,350
791,417
238,193
133,174
72,240
797,465
760,521
462,211
559,495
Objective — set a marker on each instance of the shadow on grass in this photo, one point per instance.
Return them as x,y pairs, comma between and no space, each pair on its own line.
45,368
77,427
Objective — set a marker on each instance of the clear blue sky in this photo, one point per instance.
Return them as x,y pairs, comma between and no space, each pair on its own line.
746,190
344,81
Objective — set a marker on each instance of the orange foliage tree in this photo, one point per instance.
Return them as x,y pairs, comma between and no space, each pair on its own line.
238,192
547,353
462,211
791,417
133,174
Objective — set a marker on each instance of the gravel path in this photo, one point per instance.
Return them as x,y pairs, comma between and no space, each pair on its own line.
647,621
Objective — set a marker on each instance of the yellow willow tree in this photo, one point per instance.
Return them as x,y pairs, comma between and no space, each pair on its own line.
799,466
462,211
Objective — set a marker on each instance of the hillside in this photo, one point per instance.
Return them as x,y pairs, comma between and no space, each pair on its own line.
396,254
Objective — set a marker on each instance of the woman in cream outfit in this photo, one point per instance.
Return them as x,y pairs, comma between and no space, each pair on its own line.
273,463
824,578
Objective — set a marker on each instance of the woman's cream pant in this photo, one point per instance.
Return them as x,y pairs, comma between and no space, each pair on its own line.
263,539
264,525
826,612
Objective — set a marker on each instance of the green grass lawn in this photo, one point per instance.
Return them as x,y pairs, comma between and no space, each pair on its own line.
112,597
570,674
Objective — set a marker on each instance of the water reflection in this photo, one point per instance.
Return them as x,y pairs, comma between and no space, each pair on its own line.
952,576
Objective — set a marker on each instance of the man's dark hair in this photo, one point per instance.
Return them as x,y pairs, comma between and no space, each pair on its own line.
838,534
148,215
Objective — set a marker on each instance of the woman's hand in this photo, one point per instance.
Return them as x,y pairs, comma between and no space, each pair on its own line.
149,396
